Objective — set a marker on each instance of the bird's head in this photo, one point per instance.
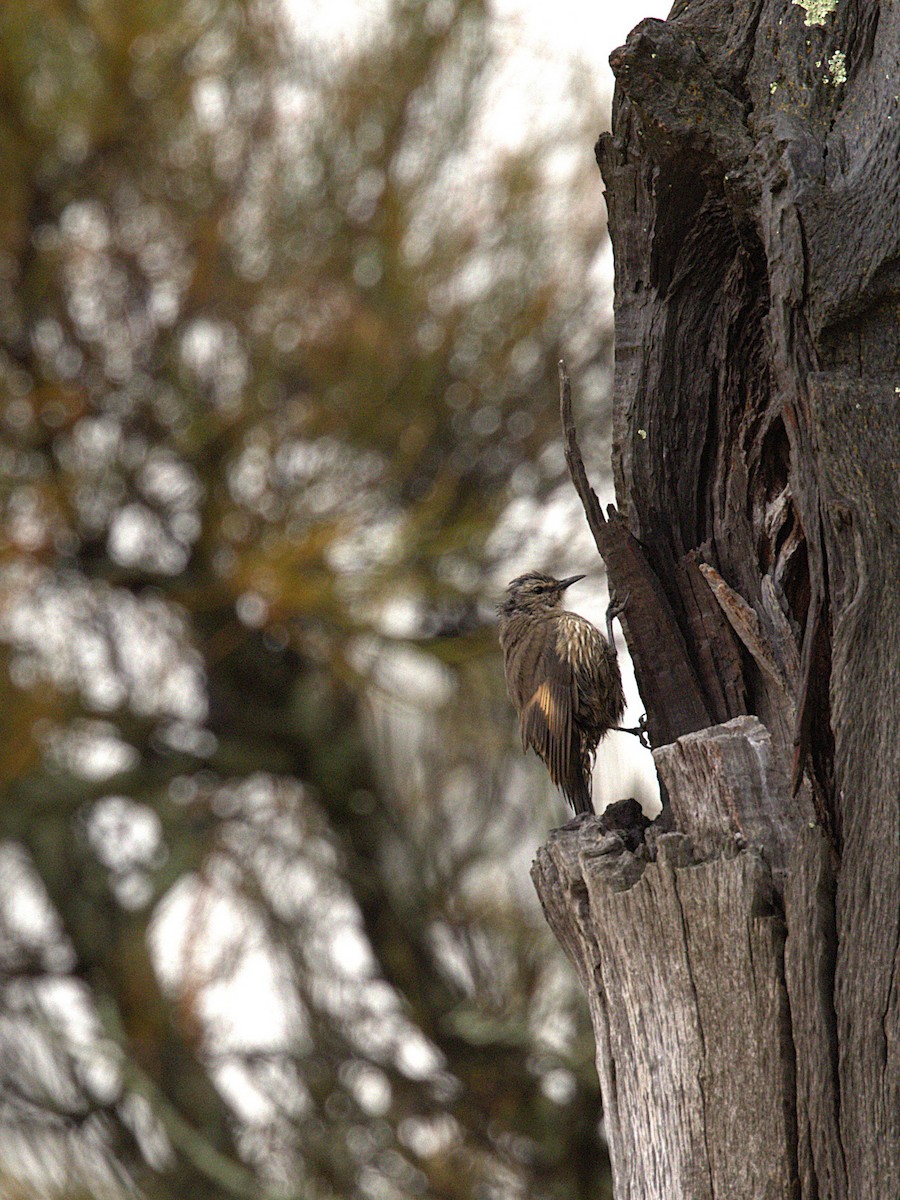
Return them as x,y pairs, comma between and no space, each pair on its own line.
535,593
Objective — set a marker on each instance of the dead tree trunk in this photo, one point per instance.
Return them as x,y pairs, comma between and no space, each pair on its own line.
742,966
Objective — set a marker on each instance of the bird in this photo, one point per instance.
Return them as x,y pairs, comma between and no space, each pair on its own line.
563,677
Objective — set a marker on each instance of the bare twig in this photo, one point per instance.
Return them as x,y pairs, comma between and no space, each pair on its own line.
667,682
575,462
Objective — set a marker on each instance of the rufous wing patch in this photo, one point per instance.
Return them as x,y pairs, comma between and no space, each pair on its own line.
546,726
548,705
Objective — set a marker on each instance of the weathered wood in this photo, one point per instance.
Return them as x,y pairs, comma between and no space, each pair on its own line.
728,781
753,188
715,648
680,948
809,972
857,424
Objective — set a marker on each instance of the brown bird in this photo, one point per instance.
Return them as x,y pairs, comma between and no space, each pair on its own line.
563,677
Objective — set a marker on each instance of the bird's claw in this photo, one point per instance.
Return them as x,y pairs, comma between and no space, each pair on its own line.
614,609
643,734
639,731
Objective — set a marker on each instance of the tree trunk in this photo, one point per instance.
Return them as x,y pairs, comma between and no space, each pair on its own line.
741,960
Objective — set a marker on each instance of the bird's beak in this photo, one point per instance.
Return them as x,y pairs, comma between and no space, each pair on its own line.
564,583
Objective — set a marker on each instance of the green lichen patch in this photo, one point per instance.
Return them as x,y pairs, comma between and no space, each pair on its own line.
816,10
837,68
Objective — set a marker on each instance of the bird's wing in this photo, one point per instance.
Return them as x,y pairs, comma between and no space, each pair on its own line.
545,720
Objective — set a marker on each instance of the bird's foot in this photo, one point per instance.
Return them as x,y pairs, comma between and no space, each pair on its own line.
643,732
614,609
639,731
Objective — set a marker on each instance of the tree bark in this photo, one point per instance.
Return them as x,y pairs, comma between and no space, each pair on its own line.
742,966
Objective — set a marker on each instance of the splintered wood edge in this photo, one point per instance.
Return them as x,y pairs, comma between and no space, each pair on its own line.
725,784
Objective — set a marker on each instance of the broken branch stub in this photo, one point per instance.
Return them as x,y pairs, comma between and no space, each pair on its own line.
678,939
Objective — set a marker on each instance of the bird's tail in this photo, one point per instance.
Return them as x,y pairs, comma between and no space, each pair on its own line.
577,784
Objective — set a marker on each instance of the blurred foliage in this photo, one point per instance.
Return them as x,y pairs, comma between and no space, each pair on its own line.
277,347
